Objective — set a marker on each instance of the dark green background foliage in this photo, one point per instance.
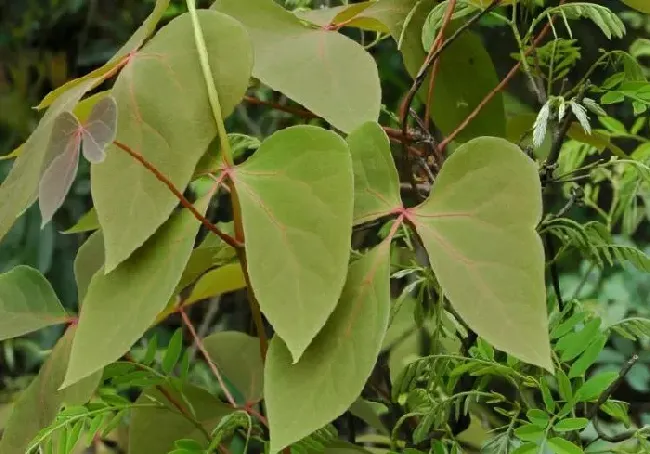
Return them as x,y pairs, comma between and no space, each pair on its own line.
44,43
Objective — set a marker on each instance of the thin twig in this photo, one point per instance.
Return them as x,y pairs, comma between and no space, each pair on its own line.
503,84
186,203
206,355
593,411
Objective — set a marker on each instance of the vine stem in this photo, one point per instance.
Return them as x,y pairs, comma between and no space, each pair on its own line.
229,240
213,95
213,367
503,84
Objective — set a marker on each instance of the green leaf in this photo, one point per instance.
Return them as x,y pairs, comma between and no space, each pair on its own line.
297,251
435,19
528,448
564,385
173,352
40,402
478,226
595,386
530,432
171,128
538,417
570,424
144,31
121,305
238,357
27,303
89,261
344,352
350,15
86,223
562,446
639,5
370,413
376,182
608,22
224,279
21,185
589,357
293,58
575,343
154,430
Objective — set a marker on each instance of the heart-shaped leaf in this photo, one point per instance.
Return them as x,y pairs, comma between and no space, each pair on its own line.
164,114
478,226
293,58
376,183
27,303
296,202
333,370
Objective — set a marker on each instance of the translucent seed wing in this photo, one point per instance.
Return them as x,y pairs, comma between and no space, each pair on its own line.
99,131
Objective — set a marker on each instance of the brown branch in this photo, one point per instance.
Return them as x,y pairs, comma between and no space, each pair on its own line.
186,203
503,84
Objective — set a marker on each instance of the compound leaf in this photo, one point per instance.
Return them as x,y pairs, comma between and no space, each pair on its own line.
333,370
478,226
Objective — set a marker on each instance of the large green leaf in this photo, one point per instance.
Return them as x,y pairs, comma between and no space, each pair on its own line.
164,114
27,303
639,5
296,201
376,183
294,59
154,430
478,226
41,401
89,260
237,356
120,306
330,375
20,189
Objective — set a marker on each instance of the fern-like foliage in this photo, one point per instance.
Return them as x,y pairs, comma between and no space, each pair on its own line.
317,442
633,328
608,22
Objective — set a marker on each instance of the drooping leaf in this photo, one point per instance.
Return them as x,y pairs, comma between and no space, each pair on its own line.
344,352
237,356
296,203
154,430
164,114
293,58
120,306
27,303
226,278
68,134
639,5
89,261
478,226
86,223
376,183
21,185
41,401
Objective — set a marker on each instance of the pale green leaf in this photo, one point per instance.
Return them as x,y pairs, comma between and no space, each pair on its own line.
120,306
639,5
41,401
478,226
21,185
561,446
293,58
238,357
226,278
391,13
350,15
333,370
154,430
370,413
89,260
164,114
27,303
296,202
376,182
86,223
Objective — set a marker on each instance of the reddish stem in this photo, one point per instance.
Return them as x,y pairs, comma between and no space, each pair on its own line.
186,203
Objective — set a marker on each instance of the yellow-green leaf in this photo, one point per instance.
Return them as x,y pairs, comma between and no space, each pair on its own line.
164,114
293,58
333,370
296,196
27,303
39,404
226,278
350,15
376,183
120,306
237,356
86,223
89,260
639,5
478,226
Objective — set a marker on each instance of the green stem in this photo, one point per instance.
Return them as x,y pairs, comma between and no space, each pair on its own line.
213,96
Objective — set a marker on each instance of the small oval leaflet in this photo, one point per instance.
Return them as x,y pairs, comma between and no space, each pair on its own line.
62,155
